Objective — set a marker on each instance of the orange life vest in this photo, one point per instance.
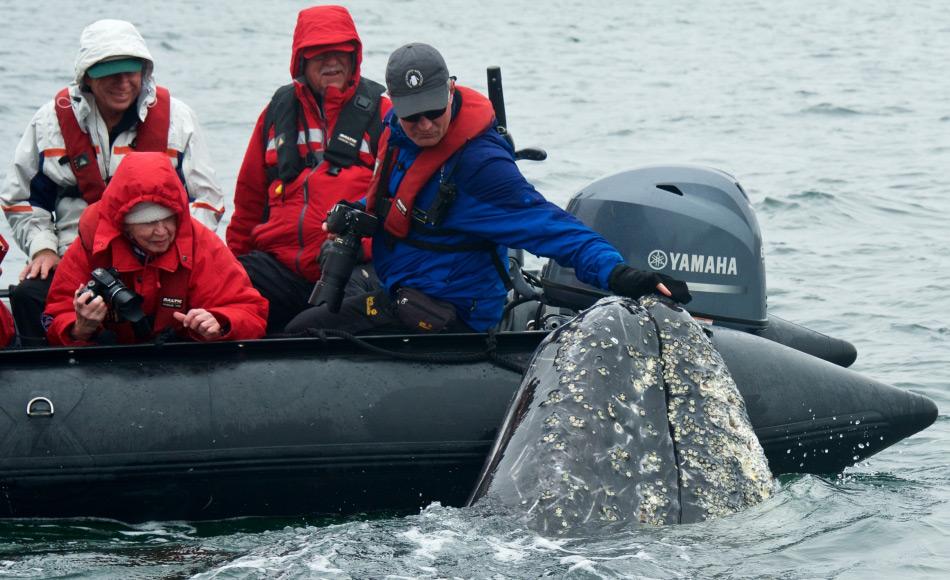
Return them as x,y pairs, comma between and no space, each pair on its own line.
151,135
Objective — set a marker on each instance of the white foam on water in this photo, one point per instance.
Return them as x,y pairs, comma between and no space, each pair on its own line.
430,544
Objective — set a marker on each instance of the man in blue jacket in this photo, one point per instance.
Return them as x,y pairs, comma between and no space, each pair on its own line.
450,201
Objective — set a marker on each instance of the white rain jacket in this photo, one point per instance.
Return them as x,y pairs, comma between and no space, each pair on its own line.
31,195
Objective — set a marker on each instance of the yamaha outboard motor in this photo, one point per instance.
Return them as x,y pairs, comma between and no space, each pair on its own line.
695,224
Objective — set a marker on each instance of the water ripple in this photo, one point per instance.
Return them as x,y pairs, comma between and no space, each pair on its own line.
831,110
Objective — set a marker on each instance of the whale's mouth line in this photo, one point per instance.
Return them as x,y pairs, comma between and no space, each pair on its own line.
669,424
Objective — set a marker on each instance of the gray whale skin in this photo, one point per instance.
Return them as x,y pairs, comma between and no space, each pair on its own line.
626,414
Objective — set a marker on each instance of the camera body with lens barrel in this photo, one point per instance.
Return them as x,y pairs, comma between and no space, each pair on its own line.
350,225
126,304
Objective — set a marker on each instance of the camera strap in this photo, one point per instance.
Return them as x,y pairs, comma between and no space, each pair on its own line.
382,201
142,328
444,198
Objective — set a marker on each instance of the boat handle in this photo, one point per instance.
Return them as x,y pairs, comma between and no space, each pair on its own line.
39,412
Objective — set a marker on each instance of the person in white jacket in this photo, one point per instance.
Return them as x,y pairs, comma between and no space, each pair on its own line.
73,146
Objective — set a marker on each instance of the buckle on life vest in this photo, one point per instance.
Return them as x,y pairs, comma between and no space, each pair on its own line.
314,158
362,102
401,206
420,216
81,161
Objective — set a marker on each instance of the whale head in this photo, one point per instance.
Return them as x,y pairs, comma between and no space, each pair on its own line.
626,414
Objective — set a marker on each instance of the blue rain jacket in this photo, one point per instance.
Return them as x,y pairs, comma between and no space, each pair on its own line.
494,203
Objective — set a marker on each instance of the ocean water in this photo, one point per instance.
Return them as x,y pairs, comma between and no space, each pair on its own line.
833,116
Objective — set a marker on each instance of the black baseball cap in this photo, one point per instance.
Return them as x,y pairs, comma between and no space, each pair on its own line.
417,79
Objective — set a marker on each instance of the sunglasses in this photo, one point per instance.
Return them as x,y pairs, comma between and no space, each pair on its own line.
431,115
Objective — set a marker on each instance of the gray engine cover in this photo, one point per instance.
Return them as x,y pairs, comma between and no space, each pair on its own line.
692,223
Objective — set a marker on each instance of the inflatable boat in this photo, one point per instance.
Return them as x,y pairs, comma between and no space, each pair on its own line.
333,424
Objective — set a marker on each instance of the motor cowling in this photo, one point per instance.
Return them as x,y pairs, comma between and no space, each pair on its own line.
690,222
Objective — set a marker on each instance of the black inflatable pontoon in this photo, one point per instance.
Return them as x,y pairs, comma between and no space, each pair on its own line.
303,426
328,426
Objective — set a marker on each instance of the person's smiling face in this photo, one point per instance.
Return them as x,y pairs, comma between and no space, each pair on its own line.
154,237
115,93
328,69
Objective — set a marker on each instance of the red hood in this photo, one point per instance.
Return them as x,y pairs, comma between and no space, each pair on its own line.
323,25
142,177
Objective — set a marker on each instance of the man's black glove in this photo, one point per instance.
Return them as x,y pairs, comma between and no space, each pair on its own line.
633,283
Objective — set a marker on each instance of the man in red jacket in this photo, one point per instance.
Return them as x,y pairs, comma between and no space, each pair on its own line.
314,145
186,280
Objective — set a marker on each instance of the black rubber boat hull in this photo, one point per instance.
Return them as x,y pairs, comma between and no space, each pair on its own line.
293,427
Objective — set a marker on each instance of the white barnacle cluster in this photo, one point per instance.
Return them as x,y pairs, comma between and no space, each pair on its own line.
644,375
651,463
554,398
685,428
648,429
618,457
609,514
717,447
654,499
560,502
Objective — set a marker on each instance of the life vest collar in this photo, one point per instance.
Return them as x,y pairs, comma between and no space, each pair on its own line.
151,135
474,117
358,115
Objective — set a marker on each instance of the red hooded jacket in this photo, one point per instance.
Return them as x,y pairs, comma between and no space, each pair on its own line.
7,329
197,264
292,229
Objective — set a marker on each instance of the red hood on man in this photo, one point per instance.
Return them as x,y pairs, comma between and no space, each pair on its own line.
327,26
142,177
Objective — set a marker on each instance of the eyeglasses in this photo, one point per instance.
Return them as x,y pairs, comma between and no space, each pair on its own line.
338,54
431,115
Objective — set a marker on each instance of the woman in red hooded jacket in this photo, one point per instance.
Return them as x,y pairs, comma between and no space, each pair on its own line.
188,280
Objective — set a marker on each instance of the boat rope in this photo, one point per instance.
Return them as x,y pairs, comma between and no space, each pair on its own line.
490,353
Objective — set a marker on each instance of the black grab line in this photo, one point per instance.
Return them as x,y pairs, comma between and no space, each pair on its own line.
490,354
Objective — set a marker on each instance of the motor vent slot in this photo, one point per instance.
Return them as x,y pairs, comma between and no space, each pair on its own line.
669,187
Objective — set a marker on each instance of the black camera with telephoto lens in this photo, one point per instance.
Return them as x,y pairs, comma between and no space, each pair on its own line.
125,303
350,224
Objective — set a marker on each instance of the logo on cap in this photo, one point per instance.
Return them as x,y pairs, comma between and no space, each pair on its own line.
413,78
